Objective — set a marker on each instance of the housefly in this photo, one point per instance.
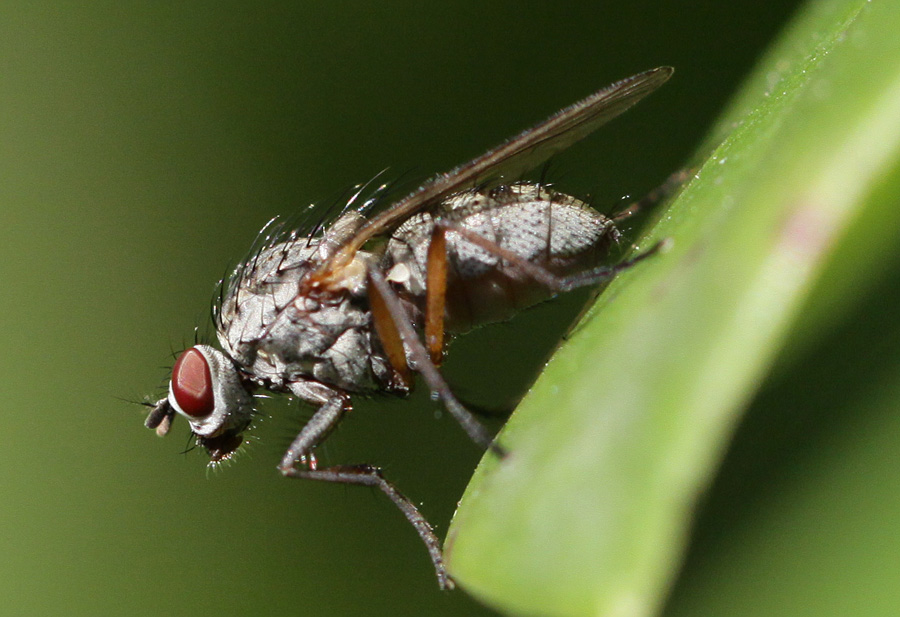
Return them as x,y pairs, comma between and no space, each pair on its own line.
363,305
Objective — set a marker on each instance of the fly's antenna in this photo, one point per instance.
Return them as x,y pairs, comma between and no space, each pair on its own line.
131,401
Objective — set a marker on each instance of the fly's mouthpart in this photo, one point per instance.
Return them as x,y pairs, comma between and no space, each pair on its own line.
221,448
227,447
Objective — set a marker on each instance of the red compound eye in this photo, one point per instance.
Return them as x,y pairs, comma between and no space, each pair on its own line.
192,384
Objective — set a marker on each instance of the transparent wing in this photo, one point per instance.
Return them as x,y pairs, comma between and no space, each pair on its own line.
516,157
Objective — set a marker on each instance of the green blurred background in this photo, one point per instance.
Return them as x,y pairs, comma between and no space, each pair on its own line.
142,146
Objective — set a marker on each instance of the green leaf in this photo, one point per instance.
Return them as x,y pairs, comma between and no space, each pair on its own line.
787,219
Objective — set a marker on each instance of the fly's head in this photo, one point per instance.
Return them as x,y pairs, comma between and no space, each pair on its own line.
207,389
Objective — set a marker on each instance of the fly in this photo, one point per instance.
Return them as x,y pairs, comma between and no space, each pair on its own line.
363,305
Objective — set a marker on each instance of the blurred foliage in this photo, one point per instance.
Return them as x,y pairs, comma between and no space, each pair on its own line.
782,236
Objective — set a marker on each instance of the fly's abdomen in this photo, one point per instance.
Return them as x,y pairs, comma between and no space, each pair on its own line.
558,232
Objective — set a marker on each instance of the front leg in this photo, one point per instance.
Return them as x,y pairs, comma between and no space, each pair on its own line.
333,405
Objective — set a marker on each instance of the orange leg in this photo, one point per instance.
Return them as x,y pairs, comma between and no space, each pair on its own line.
436,295
405,331
386,328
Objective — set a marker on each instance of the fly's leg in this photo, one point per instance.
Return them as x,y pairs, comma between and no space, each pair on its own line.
558,284
319,426
391,342
436,295
367,475
422,362
323,421
595,276
395,329
664,190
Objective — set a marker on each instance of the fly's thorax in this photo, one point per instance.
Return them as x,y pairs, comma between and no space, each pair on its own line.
558,232
279,331
207,389
257,293
331,342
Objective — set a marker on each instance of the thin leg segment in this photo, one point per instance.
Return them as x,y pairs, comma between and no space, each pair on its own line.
367,475
552,281
323,422
663,191
595,276
424,365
